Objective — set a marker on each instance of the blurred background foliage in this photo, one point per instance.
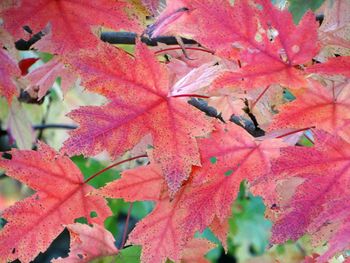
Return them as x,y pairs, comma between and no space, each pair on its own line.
249,230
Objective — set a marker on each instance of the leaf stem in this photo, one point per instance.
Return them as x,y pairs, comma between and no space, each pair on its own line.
259,97
308,137
126,226
113,165
179,48
191,96
295,131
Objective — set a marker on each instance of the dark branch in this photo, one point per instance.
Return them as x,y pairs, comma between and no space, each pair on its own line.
251,126
54,126
25,45
47,126
112,38
129,38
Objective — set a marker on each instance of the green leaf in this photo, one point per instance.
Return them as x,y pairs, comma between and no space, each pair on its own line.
299,7
129,254
249,230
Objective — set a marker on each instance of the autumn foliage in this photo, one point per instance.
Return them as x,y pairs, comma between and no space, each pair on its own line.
249,56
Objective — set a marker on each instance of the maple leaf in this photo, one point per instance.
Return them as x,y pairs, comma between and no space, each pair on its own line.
228,102
71,21
161,233
9,71
88,243
203,201
321,195
36,221
337,212
196,79
195,251
334,66
258,33
221,231
45,76
334,30
228,157
325,108
140,104
20,127
148,178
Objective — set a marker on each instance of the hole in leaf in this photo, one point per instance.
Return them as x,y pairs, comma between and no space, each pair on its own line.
228,173
81,220
93,214
213,160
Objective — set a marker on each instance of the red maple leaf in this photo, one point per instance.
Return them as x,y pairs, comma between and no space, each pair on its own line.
254,31
321,194
45,76
8,72
71,21
327,108
88,243
334,66
208,195
140,104
195,251
36,221
228,157
161,233
142,183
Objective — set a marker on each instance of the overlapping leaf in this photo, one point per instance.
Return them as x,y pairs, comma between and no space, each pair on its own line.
321,195
140,104
334,66
44,77
9,71
161,233
70,22
36,221
228,157
326,108
88,243
254,31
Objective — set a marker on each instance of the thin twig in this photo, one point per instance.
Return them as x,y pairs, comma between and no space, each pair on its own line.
295,131
113,165
179,48
191,96
126,226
